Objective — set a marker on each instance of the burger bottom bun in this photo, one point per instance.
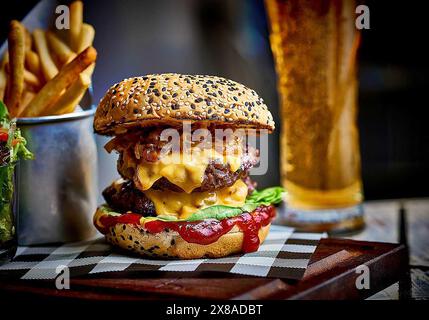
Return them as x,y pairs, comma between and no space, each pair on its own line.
169,244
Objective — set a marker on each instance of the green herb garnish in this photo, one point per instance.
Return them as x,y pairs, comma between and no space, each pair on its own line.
12,148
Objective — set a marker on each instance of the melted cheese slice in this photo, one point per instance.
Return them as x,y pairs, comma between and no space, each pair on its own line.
182,205
185,171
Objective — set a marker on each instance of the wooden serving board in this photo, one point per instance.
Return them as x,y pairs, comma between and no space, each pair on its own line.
330,275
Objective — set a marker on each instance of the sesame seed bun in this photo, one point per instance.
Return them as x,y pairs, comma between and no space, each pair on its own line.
169,99
171,245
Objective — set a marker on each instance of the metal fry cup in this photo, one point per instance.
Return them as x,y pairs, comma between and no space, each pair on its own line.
58,189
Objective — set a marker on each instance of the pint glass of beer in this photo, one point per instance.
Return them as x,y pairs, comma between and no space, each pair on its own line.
314,43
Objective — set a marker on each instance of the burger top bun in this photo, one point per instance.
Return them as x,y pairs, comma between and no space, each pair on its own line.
169,99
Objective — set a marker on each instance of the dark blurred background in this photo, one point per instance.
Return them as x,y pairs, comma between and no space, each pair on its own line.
230,39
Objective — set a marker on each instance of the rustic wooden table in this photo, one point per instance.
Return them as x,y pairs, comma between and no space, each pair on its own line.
330,275
401,221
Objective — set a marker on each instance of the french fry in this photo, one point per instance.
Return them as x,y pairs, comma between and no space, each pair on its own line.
48,66
71,97
28,40
31,79
31,82
15,86
52,90
3,75
63,35
76,19
88,71
2,83
60,50
5,59
32,62
26,98
86,37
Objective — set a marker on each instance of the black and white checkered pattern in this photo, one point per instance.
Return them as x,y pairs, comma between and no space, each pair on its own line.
284,254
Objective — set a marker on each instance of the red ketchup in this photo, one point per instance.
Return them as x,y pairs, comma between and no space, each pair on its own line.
126,218
206,231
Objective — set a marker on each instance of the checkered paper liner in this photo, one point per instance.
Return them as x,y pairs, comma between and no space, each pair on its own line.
284,254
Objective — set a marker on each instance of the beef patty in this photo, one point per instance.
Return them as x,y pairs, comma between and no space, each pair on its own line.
216,176
126,197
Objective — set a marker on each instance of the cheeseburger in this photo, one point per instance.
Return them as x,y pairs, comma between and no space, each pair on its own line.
185,190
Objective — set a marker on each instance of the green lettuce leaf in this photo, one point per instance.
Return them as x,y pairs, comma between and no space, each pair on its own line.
266,197
273,195
218,212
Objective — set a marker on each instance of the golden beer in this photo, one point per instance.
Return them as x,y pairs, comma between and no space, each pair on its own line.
314,43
